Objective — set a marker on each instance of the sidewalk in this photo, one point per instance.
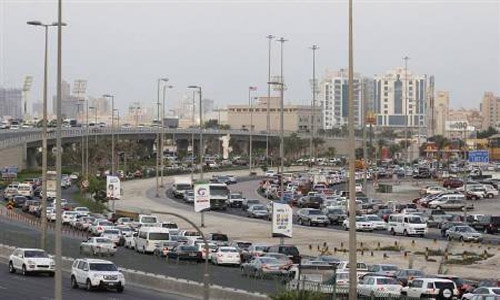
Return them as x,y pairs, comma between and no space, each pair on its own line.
139,197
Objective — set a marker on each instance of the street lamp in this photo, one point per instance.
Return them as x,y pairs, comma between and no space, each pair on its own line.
406,58
313,105
192,135
250,104
43,238
201,144
268,127
112,135
165,87
159,146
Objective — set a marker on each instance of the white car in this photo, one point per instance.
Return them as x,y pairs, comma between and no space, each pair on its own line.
431,288
362,224
113,234
377,222
96,273
124,221
359,187
435,189
379,286
482,291
130,241
29,261
201,247
226,256
51,214
68,216
270,173
82,210
99,226
98,245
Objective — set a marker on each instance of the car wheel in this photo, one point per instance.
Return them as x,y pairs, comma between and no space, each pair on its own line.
461,238
446,294
393,232
120,288
300,221
24,271
309,223
88,285
74,284
449,237
345,227
11,268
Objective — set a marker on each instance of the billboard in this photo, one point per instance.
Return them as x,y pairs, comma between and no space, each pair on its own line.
479,156
460,126
201,196
112,187
9,172
282,220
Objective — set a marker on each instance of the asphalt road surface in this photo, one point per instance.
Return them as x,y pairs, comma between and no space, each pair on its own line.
41,287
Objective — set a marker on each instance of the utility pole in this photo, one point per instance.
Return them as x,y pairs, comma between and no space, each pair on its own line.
282,136
407,117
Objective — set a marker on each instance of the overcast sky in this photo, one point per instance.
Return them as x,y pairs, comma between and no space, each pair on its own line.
123,47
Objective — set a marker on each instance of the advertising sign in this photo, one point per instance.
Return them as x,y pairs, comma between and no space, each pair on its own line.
201,197
9,172
479,156
282,220
112,187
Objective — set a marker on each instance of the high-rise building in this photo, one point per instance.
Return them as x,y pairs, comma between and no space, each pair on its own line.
71,107
11,104
441,109
490,109
334,99
400,99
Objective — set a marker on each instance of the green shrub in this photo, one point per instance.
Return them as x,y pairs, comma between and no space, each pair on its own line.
298,295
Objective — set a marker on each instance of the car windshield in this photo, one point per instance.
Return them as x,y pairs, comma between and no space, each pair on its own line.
170,225
360,219
188,248
105,223
315,212
219,237
244,245
111,231
35,254
228,250
386,281
415,220
159,236
236,196
216,190
269,260
259,207
389,268
149,220
374,218
496,291
103,241
103,267
465,229
183,187
336,211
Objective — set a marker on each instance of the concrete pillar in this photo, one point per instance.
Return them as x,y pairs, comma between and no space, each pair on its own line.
31,161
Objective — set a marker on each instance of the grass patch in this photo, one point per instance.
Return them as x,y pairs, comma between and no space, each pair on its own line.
93,206
390,248
431,252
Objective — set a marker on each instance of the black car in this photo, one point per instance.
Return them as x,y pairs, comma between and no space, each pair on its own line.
336,215
186,253
19,201
488,224
310,202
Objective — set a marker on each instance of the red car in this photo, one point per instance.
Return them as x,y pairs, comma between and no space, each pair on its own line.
453,183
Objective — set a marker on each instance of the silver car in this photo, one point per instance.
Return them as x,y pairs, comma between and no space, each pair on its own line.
257,211
464,234
98,245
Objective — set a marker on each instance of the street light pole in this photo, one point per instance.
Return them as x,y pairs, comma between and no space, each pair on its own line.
270,38
163,132
282,136
58,241
250,104
159,147
112,137
201,145
87,132
406,58
313,106
192,136
352,179
43,238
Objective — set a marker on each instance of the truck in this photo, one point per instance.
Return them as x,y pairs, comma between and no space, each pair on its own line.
181,186
219,196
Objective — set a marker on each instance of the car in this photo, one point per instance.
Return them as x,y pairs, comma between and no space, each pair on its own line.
377,222
270,173
448,224
482,291
124,221
336,215
377,286
453,183
475,193
84,223
114,235
248,202
202,248
431,190
98,245
362,224
130,241
225,255
189,196
257,211
261,267
310,202
162,248
82,210
185,253
96,273
99,226
434,217
218,238
488,224
235,199
383,269
431,287
31,260
256,250
406,275
463,234
450,204
311,216
289,250
68,216
282,258
332,260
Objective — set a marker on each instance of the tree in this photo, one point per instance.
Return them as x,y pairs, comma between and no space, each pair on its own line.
486,133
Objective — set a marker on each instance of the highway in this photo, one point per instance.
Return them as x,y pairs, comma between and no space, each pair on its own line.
41,287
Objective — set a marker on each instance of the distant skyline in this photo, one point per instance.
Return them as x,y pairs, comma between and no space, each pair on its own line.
123,47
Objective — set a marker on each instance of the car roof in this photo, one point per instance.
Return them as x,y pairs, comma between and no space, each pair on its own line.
30,249
95,260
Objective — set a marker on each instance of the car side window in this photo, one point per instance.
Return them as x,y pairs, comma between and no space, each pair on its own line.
80,265
417,283
430,285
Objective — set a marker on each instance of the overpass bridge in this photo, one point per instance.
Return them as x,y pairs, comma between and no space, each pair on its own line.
19,147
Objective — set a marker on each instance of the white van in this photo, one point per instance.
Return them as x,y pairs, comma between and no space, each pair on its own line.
147,238
26,190
148,221
407,224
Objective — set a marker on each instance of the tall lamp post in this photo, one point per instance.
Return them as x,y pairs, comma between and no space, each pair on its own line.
165,87
406,58
159,147
43,239
313,105
250,104
192,135
268,127
282,135
112,137
201,145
